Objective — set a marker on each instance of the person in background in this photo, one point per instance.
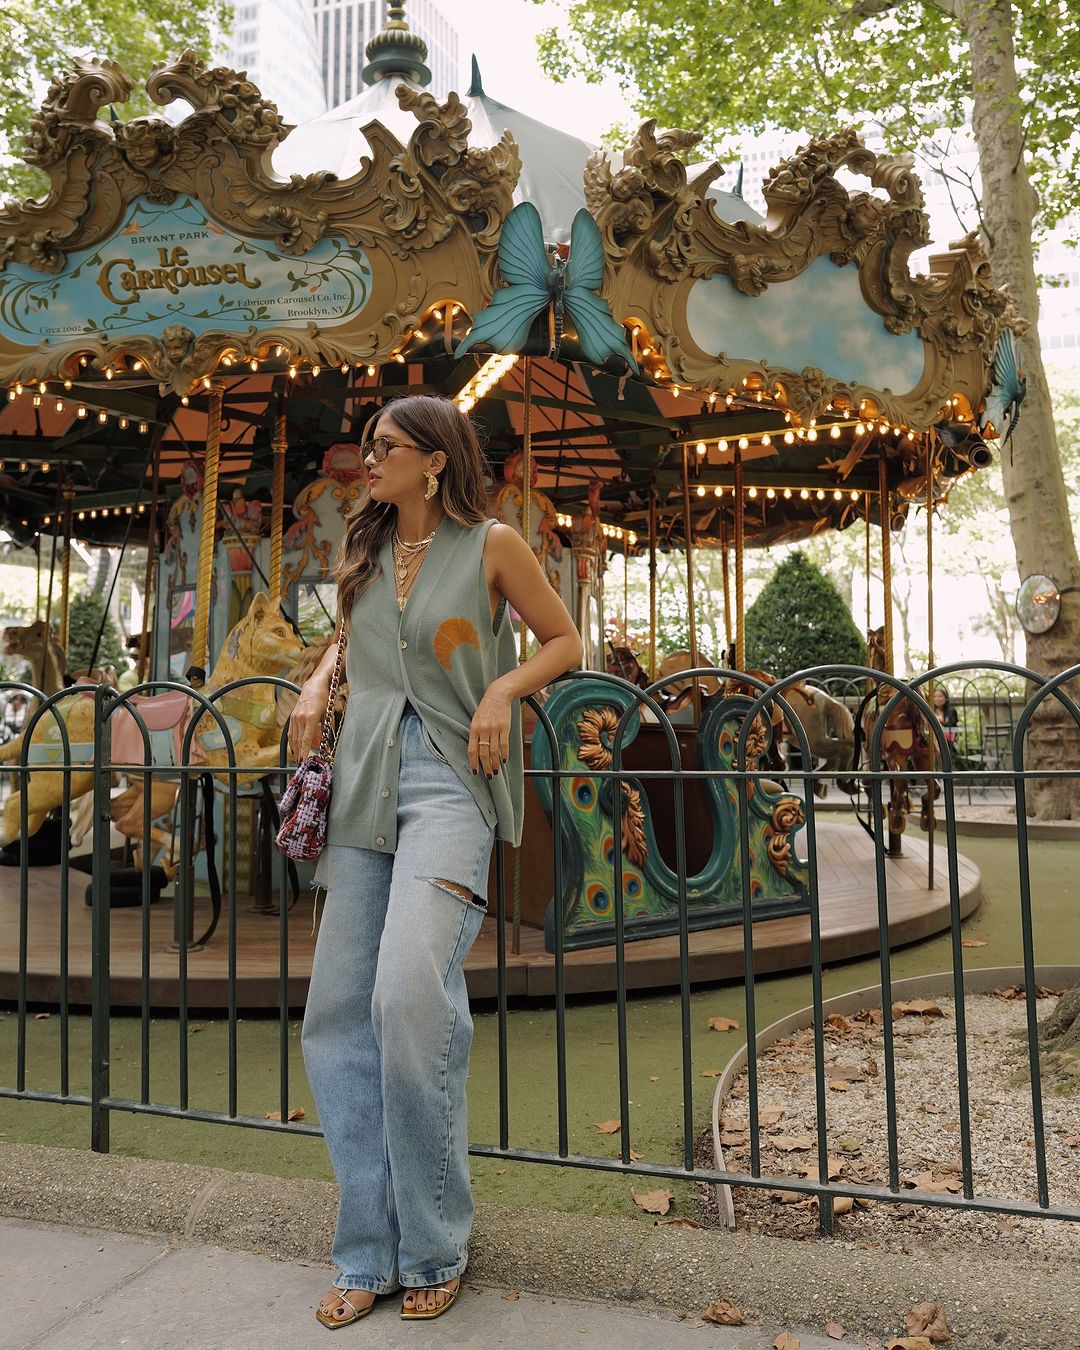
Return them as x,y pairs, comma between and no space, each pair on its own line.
946,714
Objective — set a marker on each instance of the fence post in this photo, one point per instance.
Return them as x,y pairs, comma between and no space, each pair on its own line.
100,917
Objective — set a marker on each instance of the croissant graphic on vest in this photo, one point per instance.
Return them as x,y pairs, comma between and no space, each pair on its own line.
448,638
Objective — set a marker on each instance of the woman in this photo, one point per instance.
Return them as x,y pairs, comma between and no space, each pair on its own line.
427,773
946,714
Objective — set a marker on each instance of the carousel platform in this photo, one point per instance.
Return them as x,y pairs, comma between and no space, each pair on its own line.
849,928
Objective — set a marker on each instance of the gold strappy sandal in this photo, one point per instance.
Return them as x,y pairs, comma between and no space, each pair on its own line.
334,1322
411,1315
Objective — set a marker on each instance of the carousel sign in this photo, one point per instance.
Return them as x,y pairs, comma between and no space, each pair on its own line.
168,265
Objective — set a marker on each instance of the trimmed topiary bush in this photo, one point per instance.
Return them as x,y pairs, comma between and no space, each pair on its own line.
800,620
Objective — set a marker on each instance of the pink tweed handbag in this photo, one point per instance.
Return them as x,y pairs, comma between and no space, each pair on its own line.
305,803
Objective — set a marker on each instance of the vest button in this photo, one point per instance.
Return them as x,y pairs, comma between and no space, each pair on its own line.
389,740
386,792
380,840
404,644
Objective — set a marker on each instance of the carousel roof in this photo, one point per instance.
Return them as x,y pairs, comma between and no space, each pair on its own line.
552,162
659,328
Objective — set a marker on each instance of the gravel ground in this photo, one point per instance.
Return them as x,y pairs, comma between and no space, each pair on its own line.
928,1129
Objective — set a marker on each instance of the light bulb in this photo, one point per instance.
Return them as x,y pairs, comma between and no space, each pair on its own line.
804,494
103,417
770,493
59,405
722,446
701,447
837,494
744,444
766,439
316,370
820,494
752,492
371,370
144,427
789,438
701,489
787,494
834,432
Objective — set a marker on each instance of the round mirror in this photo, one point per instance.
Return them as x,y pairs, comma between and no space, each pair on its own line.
1038,603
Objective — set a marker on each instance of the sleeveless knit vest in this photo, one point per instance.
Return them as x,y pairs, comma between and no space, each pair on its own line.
441,654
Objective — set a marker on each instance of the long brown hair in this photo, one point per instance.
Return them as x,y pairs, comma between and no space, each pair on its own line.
434,423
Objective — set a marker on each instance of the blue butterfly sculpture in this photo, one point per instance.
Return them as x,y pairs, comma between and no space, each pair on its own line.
1007,390
537,286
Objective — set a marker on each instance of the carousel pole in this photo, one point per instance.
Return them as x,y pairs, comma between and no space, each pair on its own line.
65,568
151,558
688,532
724,563
931,784
652,582
886,556
626,587
866,521
49,596
277,503
526,530
740,544
207,524
184,915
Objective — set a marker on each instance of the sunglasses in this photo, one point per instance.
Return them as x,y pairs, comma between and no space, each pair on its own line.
380,446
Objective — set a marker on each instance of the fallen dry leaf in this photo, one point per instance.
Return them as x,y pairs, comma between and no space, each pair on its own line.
927,1319
711,1073
932,1108
833,1330
850,1073
654,1202
769,1115
636,1157
42,1017
792,1143
842,1204
909,1343
608,1126
654,1078
925,1181
511,1296
1072,1141
723,1024
732,1138
838,1022
788,1197
785,1342
838,1085
297,1113
678,1223
724,1313
1009,992
733,1123
917,1007
974,942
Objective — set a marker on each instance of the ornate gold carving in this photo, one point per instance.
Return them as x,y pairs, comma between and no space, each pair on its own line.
594,726
787,816
402,202
667,234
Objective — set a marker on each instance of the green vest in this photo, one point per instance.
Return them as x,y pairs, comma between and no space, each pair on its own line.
441,654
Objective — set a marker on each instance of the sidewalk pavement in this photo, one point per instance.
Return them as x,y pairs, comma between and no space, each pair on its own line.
94,1290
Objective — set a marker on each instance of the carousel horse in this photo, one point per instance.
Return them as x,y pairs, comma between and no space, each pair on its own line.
907,745
45,791
621,661
261,644
828,726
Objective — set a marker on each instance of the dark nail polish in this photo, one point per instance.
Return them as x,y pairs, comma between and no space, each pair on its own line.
489,775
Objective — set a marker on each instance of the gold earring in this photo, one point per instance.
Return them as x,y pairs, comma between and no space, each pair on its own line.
432,484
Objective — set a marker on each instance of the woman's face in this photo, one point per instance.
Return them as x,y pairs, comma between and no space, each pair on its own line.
401,473
940,697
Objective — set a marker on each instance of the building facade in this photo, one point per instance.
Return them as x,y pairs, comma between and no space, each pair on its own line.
343,28
274,41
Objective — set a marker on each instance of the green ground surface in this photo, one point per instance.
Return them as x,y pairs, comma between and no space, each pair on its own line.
654,1039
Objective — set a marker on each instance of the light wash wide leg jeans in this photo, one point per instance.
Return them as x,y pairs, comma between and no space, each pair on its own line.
387,1030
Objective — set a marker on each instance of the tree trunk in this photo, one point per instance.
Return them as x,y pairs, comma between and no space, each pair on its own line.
1031,466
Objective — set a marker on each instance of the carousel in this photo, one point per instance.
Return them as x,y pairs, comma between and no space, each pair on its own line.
197,320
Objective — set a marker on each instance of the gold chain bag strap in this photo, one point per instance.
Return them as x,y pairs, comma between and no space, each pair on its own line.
305,803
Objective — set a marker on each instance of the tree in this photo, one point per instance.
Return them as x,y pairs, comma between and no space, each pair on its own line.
800,620
38,40
913,69
87,611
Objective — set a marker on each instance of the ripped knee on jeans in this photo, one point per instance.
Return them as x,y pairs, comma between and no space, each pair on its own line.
458,891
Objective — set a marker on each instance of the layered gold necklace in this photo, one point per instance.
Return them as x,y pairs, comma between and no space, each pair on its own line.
408,559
